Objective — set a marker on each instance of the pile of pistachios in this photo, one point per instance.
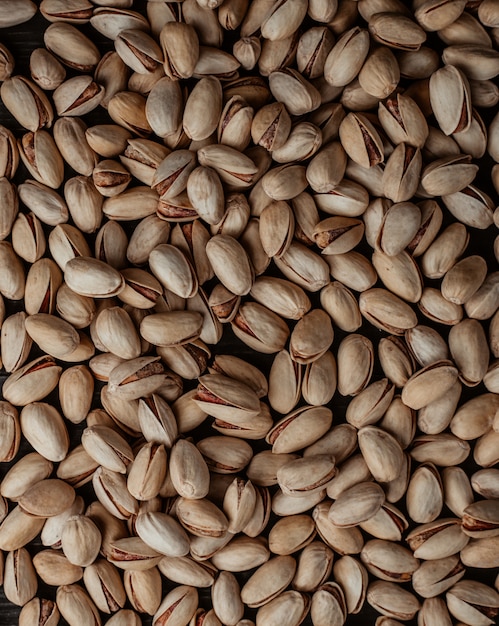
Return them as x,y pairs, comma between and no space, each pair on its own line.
249,313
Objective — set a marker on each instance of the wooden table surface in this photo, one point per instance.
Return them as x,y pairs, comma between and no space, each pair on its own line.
21,40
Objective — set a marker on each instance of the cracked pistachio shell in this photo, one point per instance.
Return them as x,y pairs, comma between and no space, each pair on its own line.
388,560
276,227
171,328
380,73
314,566
110,489
44,428
47,498
396,360
311,337
361,140
356,504
319,380
471,206
23,474
18,529
108,140
283,20
337,235
271,126
103,582
107,447
188,470
10,429
452,450
71,46
429,384
435,577
115,331
281,296
306,475
12,280
180,45
355,360
226,398
187,571
480,519
480,552
347,56
400,274
240,554
163,533
354,471
42,285
37,610
226,598
174,270
402,173
93,278
303,141
299,429
298,95
143,589
84,203
285,182
290,605
268,581
435,307
303,267
10,204
75,605
36,111
342,306
370,404
230,263
32,382
225,455
28,238
390,599
482,304
138,50
53,335
284,382
19,580
80,540
386,311
403,121
237,368
469,349
201,517
352,576
291,533
203,108
450,99
110,19
382,453
180,604
342,540
313,48
473,602
76,387
40,155
263,467
205,193
164,107
424,497
260,328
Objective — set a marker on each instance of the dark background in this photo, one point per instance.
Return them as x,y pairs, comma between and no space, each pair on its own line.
21,40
